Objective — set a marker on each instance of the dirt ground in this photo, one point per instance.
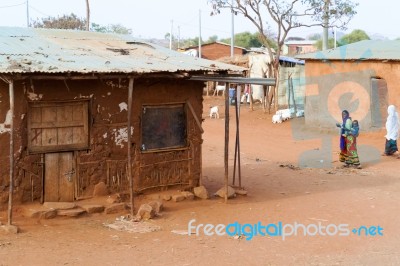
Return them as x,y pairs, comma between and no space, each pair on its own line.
278,191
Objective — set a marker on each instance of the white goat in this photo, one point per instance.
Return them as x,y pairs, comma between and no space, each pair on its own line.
219,88
286,114
214,112
300,113
277,119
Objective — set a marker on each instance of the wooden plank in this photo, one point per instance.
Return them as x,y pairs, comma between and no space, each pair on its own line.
54,126
58,124
51,177
66,177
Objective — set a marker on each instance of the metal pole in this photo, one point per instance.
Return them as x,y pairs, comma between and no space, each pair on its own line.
226,139
87,16
27,13
130,91
179,37
232,32
170,35
11,187
199,33
325,26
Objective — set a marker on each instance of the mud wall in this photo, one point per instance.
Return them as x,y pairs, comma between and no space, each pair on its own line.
106,158
327,82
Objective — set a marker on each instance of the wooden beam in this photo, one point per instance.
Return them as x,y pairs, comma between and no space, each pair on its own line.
194,116
226,152
11,187
130,91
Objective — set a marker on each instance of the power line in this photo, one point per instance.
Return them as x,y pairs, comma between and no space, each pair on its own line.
37,10
13,5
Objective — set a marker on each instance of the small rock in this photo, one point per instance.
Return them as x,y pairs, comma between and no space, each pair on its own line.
167,197
188,195
222,192
59,205
100,189
93,208
241,192
10,229
50,214
177,198
157,206
71,213
113,199
145,212
201,192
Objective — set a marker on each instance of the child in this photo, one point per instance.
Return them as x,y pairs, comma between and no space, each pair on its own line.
351,141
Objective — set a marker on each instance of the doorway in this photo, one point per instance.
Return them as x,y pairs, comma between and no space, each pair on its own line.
59,177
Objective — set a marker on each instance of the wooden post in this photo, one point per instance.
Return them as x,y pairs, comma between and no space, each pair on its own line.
130,91
11,188
237,148
226,140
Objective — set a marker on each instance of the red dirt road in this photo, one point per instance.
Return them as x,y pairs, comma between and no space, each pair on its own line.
278,191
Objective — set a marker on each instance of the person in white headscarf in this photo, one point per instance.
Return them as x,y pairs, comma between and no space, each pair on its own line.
392,131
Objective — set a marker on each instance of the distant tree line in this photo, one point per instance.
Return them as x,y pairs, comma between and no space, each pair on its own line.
73,22
244,39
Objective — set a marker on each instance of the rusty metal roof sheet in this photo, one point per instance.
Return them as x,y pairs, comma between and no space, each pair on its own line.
30,50
363,50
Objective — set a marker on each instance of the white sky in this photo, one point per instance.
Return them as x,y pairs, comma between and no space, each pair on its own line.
152,18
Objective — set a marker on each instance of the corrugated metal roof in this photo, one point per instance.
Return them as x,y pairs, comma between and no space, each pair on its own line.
363,50
29,50
291,60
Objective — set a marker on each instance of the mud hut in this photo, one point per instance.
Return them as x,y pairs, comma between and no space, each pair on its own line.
76,107
361,77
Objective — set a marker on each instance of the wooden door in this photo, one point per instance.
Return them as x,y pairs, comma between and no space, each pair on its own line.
59,177
379,102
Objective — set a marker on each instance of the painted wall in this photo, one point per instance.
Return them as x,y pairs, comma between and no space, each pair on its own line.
332,86
106,158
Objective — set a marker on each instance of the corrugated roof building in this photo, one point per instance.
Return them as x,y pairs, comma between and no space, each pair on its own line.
361,77
28,50
70,99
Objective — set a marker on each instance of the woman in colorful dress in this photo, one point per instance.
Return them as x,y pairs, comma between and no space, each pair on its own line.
348,141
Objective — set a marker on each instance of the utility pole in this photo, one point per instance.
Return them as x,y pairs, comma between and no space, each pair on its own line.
334,36
179,37
199,33
232,32
170,35
325,25
27,13
87,16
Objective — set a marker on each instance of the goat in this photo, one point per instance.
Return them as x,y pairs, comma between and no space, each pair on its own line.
219,88
214,112
300,113
277,118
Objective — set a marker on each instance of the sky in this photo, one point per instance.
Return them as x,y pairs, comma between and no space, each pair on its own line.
156,18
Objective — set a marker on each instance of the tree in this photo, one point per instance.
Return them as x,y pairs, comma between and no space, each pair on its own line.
111,28
213,38
65,22
72,22
315,37
354,36
287,15
245,39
